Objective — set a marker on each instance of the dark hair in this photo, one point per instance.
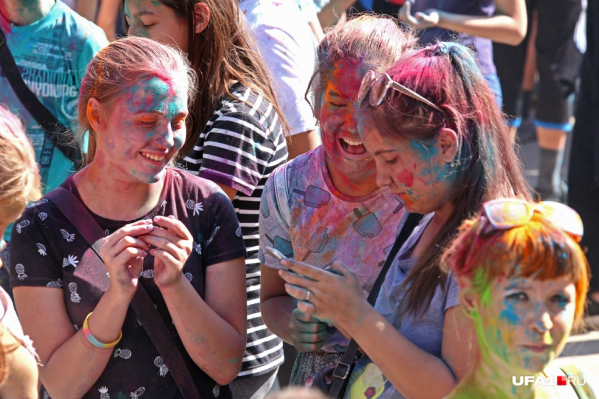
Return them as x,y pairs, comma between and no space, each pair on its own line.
222,52
487,166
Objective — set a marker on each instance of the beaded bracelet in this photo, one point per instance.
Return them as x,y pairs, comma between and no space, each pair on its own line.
90,337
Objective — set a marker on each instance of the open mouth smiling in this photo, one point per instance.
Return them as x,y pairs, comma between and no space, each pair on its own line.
153,157
354,147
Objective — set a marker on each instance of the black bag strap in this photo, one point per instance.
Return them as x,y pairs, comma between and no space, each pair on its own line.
142,304
53,129
344,366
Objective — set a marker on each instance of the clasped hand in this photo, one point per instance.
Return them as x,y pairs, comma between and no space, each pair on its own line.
420,20
124,251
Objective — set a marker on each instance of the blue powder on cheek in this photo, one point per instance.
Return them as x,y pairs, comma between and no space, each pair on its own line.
509,314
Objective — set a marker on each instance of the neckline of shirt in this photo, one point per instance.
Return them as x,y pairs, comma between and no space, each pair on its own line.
119,223
321,162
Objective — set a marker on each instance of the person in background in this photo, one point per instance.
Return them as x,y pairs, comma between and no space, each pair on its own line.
283,37
523,281
439,141
474,23
310,9
110,18
325,204
51,45
477,23
236,138
171,235
19,184
583,175
559,44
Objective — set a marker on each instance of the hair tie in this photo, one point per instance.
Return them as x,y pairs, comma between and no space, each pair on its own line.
441,48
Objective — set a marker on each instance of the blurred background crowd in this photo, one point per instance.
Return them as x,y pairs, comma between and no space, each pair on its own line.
539,57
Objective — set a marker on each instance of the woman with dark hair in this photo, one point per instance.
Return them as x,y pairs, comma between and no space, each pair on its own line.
325,205
440,144
236,136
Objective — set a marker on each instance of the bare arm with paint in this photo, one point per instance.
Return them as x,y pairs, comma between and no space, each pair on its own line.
213,330
508,26
339,298
301,143
71,363
332,12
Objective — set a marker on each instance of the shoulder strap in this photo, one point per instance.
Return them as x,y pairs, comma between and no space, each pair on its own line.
142,304
53,129
344,367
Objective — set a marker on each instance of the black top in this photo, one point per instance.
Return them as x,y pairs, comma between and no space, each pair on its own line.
47,251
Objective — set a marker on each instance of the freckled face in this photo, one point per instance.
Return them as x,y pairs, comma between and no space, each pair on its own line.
154,20
411,169
525,321
338,126
145,129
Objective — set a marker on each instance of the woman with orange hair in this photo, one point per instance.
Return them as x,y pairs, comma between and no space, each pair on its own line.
523,280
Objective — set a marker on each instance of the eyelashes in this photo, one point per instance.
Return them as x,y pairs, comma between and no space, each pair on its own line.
560,299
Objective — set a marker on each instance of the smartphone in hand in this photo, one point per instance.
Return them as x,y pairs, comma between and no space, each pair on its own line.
275,253
278,255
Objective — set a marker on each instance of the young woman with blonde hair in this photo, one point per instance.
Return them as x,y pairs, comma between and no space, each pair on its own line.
167,255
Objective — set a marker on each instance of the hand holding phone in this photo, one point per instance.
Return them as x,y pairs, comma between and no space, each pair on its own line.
278,255
275,253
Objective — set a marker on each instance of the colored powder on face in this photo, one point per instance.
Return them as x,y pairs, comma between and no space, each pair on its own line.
425,152
509,313
406,177
547,338
485,297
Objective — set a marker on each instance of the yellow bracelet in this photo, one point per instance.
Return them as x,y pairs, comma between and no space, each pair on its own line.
90,337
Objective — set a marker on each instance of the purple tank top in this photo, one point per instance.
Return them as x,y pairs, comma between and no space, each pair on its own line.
482,47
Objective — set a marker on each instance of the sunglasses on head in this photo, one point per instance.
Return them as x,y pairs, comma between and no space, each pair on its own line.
379,86
507,213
